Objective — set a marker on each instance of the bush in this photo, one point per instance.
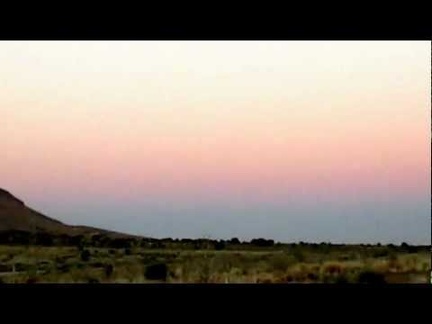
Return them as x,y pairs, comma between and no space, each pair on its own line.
21,267
380,253
280,262
109,269
5,268
85,255
299,255
220,245
333,268
158,271
63,267
312,277
32,280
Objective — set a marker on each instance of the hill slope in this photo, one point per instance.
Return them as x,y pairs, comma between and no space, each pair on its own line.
16,216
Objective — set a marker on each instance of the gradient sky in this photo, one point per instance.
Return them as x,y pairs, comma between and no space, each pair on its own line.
312,141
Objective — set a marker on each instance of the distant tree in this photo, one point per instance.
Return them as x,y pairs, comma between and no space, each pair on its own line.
404,246
219,245
262,242
235,241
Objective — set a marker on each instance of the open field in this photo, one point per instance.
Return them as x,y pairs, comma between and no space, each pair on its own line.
280,263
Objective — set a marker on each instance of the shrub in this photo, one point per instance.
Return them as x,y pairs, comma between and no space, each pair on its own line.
280,262
312,277
63,267
380,253
21,267
299,255
333,268
5,268
32,280
85,255
158,271
220,245
109,269
289,278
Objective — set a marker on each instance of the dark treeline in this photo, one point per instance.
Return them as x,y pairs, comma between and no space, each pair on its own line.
105,241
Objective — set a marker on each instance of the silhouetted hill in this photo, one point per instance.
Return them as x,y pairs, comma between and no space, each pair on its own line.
15,216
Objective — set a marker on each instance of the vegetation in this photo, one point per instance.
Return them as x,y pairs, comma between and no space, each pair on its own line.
101,260
35,248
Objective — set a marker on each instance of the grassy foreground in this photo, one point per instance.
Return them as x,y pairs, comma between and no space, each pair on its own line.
291,263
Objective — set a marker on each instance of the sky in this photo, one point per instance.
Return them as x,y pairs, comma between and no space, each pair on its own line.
314,141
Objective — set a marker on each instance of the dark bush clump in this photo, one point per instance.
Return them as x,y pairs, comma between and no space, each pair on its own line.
32,280
5,268
158,271
109,269
312,277
220,245
85,255
262,242
381,253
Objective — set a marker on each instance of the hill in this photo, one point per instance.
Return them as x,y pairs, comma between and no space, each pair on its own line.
16,217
